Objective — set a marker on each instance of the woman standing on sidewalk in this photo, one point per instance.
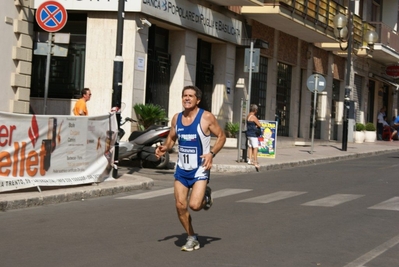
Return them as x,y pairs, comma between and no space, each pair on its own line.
253,128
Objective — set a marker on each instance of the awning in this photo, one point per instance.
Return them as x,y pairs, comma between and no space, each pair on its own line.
384,80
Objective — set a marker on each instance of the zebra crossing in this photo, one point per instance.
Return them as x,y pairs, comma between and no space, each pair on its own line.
391,204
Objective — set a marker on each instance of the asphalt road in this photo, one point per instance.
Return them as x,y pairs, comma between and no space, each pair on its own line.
342,214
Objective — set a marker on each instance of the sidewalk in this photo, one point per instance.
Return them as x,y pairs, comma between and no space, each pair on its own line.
225,161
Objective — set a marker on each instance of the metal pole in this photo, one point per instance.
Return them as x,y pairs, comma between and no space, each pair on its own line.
348,77
316,82
47,77
251,52
240,133
117,79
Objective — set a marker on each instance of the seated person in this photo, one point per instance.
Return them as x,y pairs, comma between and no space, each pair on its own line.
389,132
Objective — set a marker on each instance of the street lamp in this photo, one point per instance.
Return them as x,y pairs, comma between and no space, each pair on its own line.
343,30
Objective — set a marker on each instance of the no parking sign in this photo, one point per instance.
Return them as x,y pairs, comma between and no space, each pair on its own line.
51,16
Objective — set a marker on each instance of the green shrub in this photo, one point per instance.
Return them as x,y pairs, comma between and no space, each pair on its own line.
370,126
360,127
232,129
149,114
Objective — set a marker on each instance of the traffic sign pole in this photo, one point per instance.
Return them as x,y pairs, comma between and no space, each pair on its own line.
51,16
250,79
46,81
315,83
314,109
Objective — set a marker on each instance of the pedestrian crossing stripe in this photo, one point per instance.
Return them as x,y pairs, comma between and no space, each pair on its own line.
390,204
151,194
273,197
333,200
329,201
228,192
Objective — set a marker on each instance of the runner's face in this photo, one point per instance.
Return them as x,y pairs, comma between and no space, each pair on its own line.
189,99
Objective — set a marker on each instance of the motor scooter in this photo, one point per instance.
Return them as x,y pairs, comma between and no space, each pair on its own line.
141,145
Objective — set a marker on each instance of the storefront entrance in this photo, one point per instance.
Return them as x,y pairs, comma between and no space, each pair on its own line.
283,98
158,68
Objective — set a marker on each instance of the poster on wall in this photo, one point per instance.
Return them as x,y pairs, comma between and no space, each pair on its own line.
43,150
268,139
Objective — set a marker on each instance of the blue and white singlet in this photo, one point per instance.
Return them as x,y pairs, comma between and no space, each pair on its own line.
193,143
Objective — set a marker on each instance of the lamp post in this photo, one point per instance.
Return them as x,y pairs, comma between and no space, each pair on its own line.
117,79
345,34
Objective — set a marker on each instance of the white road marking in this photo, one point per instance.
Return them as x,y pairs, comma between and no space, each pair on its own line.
362,260
167,191
228,192
390,204
151,194
280,195
332,200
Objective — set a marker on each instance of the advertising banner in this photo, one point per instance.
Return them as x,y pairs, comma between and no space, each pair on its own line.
268,139
42,150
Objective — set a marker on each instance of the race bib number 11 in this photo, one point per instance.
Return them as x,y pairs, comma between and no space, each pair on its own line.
188,158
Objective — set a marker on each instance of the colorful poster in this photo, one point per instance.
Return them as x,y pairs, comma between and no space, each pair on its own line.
268,139
40,150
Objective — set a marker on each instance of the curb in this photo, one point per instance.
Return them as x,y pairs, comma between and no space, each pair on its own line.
56,196
130,182
225,168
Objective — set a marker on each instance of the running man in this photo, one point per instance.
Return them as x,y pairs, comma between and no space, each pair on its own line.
192,129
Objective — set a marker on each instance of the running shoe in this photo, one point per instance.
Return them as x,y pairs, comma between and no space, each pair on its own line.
191,244
208,198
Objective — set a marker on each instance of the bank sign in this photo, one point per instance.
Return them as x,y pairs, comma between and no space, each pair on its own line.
195,17
178,12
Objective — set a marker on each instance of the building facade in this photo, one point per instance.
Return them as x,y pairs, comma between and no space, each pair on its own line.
170,44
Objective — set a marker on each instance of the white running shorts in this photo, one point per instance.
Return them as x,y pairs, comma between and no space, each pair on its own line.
253,142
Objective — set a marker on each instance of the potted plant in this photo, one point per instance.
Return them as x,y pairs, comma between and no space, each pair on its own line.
370,133
231,129
359,133
149,114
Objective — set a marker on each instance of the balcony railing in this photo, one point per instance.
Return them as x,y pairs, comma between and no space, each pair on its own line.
322,13
386,35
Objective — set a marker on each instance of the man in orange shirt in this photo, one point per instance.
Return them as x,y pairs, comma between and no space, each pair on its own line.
80,108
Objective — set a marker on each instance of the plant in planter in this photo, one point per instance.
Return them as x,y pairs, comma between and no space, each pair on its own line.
370,134
149,114
232,129
360,127
370,127
359,133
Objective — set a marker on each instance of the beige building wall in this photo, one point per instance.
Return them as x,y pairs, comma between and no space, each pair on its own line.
183,50
100,56
224,66
16,57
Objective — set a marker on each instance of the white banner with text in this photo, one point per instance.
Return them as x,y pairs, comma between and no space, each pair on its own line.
43,150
